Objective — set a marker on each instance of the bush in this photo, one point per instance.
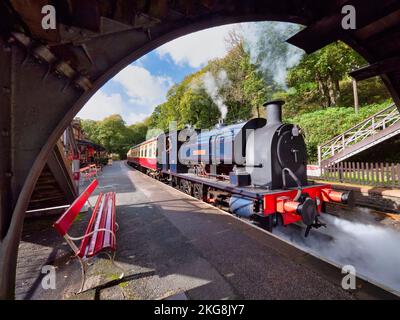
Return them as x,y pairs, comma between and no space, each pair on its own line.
370,91
103,161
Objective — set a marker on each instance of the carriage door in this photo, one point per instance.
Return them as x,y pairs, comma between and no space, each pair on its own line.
166,164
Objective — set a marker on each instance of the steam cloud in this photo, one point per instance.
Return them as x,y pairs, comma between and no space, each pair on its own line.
372,250
268,49
213,85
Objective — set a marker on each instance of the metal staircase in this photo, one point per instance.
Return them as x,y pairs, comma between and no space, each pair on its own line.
372,131
55,186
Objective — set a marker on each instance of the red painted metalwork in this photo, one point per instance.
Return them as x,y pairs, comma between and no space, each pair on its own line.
64,222
288,209
104,218
144,154
283,203
85,241
329,195
149,163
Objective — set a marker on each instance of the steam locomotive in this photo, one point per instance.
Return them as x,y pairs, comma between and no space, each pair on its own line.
255,169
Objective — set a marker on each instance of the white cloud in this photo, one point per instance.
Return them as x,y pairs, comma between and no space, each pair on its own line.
142,87
132,118
102,105
198,48
144,90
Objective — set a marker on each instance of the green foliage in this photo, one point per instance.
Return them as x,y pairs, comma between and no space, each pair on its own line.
138,132
317,77
111,133
255,72
322,125
189,103
370,91
197,109
103,161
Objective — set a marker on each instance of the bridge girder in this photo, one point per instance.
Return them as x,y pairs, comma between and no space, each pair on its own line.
47,77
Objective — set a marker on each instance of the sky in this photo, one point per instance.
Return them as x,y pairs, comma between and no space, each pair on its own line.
140,87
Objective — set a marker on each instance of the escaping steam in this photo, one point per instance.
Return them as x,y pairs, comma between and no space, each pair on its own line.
213,86
372,250
266,44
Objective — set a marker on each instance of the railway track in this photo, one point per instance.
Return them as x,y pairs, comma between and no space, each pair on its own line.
366,287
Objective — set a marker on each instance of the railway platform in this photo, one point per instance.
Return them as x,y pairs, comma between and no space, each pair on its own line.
174,247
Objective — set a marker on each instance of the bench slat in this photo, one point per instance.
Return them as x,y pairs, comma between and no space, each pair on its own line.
99,215
107,237
97,242
114,220
84,244
104,217
63,224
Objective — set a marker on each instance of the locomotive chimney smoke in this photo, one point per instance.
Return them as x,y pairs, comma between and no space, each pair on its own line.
213,86
274,111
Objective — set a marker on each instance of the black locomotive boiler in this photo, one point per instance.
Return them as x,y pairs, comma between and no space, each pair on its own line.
255,169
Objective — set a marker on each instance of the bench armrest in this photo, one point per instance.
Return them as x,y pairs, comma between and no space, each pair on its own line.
92,233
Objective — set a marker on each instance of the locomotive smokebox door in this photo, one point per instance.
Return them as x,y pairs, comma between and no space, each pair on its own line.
290,151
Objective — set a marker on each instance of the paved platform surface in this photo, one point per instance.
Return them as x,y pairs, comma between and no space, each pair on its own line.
172,245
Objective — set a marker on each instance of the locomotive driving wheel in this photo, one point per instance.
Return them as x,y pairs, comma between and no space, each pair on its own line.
185,186
174,182
198,191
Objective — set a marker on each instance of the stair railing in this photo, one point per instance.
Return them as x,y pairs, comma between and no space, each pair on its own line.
367,128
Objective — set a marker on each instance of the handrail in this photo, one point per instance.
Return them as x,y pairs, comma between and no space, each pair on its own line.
368,127
358,124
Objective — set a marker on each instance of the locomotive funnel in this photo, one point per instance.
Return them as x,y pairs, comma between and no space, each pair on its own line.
274,111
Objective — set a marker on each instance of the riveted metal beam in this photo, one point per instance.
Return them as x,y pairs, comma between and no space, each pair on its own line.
5,139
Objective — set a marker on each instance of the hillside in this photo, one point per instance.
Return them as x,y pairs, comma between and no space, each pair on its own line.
316,87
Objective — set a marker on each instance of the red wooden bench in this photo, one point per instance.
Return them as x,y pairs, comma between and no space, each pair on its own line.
100,235
89,172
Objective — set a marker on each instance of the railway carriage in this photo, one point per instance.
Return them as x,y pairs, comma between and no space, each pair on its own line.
144,155
256,169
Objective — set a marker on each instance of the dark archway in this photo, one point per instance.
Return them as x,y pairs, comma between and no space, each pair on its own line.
47,76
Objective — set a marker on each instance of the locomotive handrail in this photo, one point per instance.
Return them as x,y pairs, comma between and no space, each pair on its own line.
367,128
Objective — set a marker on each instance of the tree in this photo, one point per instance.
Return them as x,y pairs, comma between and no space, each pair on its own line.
322,72
198,110
111,133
